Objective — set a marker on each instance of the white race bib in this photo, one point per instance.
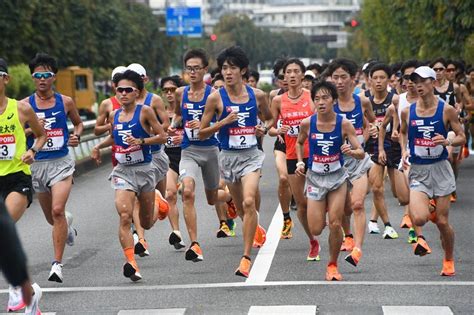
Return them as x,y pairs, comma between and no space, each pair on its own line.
55,140
193,134
169,141
7,147
325,164
130,155
427,149
294,127
242,137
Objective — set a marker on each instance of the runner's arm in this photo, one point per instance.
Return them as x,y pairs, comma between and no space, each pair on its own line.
76,120
453,122
275,111
467,101
149,119
354,149
213,107
28,116
367,109
263,109
302,136
101,123
159,108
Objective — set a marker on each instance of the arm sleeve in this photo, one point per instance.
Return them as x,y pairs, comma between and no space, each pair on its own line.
12,256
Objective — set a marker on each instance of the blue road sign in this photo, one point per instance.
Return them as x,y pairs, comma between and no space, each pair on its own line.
183,21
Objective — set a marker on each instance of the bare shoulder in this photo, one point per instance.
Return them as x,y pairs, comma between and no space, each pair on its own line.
24,107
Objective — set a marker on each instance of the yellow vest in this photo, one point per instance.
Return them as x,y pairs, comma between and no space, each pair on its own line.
12,141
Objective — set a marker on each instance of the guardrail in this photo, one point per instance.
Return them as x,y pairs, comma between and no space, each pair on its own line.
88,141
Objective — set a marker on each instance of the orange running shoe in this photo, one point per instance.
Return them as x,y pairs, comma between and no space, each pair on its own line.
260,237
406,222
161,205
332,274
448,268
244,268
194,252
421,248
231,210
465,151
354,257
286,230
347,244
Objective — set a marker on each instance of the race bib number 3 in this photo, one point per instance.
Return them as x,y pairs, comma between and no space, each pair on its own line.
7,147
427,149
130,155
324,164
242,138
55,140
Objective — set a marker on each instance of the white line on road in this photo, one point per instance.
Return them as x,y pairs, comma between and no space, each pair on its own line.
283,310
164,311
263,261
418,310
135,287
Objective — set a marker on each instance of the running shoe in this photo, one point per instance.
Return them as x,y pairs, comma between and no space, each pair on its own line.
141,248
421,247
223,231
465,151
332,274
33,308
454,197
314,249
194,253
412,238
15,299
354,257
71,232
176,240
293,206
260,237
232,225
347,244
286,230
448,268
130,270
161,205
56,273
389,233
244,268
231,210
373,228
406,222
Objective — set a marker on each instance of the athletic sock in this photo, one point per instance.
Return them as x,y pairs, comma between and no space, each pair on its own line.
130,254
247,257
374,221
349,235
286,216
388,224
421,236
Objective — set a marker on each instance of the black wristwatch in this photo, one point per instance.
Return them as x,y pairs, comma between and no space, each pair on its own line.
142,141
34,150
265,129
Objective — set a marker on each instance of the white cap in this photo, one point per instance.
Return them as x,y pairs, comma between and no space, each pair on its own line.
424,72
119,69
310,73
138,68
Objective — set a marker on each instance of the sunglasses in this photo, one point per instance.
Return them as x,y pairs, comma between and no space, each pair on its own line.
450,69
126,89
406,77
281,77
42,75
438,69
169,90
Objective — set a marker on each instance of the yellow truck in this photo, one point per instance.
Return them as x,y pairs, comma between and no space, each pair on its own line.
78,83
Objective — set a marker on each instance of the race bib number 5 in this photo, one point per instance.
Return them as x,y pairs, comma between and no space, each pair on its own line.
7,147
130,155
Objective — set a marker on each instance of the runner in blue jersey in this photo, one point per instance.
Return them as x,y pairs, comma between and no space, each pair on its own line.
52,172
196,153
425,126
331,137
134,129
237,105
357,109
159,162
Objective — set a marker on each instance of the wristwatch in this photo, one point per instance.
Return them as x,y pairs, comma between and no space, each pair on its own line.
34,150
142,141
265,128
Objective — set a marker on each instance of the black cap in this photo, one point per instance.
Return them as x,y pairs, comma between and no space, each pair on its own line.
3,65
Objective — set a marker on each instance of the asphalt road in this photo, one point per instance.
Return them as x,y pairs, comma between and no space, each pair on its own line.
283,281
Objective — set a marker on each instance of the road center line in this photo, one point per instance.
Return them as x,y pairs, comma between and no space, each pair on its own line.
268,284
263,261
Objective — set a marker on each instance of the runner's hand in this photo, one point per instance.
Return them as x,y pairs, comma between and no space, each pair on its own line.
395,136
95,155
259,130
233,116
28,157
405,159
439,139
373,131
194,124
73,141
133,141
346,149
177,140
283,130
300,171
382,157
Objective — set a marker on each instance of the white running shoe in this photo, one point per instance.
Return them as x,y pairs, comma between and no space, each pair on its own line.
71,232
135,238
15,299
56,273
390,233
33,308
373,228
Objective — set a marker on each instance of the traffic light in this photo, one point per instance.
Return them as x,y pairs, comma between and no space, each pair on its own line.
213,37
353,23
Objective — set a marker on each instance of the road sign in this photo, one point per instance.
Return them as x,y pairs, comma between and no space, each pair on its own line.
183,21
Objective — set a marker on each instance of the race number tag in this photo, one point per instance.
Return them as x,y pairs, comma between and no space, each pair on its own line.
169,141
427,149
7,147
55,140
294,127
193,134
379,120
242,138
325,164
131,155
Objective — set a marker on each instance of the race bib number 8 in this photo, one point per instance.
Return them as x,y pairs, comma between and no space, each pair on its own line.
7,147
427,149
323,164
55,140
130,155
242,138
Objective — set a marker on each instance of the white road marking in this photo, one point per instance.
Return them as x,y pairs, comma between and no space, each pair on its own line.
135,287
418,310
283,310
164,311
263,261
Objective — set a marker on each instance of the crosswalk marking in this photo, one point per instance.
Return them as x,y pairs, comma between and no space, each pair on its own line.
164,311
283,309
419,310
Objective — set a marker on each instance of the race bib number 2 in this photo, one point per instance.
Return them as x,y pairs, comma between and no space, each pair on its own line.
7,147
242,138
